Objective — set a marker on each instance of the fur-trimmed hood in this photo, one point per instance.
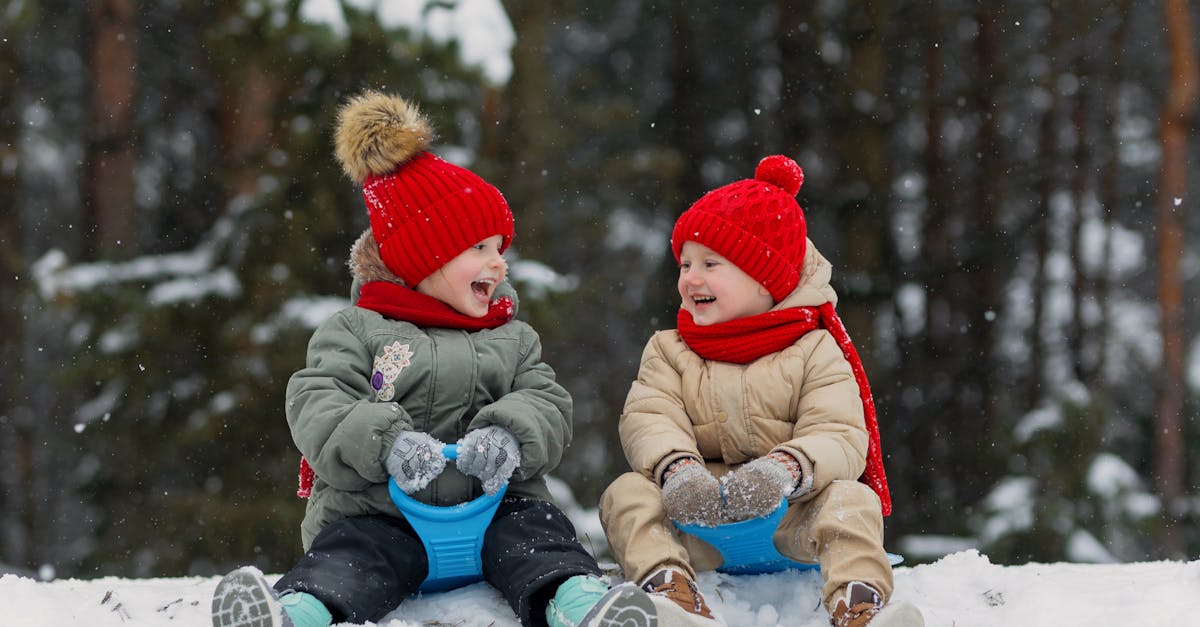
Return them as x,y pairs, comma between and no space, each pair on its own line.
367,265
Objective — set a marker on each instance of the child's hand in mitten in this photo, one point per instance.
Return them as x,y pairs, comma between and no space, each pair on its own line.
491,454
691,495
756,488
415,460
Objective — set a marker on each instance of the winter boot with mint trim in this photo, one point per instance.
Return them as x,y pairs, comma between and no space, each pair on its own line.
586,601
862,606
243,598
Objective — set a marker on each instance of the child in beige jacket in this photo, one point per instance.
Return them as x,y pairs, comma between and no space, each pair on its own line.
757,396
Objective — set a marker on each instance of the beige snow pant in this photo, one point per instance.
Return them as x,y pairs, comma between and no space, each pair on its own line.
840,528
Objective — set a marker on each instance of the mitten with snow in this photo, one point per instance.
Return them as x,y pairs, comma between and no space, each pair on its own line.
491,454
756,488
415,460
691,495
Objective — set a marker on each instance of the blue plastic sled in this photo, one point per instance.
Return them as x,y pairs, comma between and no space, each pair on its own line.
748,546
453,536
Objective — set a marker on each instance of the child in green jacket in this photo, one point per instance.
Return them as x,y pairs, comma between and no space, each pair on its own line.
429,354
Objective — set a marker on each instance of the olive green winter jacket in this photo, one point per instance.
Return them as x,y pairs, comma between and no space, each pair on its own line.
444,382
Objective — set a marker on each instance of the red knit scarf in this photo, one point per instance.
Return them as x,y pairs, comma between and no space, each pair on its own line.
401,303
743,340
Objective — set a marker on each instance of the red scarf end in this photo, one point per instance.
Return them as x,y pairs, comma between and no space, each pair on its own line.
307,479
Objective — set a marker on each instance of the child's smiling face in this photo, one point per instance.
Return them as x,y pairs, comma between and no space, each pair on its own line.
468,281
715,290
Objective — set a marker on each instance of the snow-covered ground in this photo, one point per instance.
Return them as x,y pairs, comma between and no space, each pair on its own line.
961,590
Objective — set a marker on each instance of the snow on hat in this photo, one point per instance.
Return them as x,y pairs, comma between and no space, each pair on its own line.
754,223
424,211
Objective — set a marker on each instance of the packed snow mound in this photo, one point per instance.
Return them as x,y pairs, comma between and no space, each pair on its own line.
960,589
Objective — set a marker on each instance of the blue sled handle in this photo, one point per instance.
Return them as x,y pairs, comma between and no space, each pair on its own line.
748,546
452,535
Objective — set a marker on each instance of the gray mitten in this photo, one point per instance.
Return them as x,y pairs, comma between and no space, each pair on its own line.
691,495
756,488
491,454
415,460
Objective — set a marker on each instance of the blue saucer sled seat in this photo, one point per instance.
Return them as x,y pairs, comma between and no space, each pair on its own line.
453,538
748,546
453,535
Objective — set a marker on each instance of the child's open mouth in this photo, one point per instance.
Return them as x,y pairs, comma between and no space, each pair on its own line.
704,300
483,288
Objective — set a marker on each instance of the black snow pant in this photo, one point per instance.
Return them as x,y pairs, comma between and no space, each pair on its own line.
362,567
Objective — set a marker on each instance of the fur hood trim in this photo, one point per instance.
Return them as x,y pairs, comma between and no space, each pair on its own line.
366,264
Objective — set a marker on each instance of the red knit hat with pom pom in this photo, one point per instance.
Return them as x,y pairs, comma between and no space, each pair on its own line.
754,223
424,211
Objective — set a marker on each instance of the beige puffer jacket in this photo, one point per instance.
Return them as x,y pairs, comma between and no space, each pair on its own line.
802,400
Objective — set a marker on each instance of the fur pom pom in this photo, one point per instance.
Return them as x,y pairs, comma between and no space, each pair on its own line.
377,132
782,172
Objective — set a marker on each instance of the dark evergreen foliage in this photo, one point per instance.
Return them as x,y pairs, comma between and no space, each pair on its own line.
965,165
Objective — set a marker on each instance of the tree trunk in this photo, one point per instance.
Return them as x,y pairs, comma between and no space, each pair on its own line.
528,127
936,255
1176,124
1108,191
1048,173
12,266
864,226
687,93
246,119
111,152
1077,326
988,261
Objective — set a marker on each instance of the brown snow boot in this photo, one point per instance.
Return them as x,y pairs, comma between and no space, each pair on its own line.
857,608
862,605
678,600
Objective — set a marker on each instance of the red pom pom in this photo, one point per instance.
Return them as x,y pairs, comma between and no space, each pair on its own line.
780,171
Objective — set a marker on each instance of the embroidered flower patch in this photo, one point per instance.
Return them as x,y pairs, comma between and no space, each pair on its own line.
387,368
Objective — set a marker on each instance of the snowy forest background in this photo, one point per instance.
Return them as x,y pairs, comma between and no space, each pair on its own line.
1003,188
